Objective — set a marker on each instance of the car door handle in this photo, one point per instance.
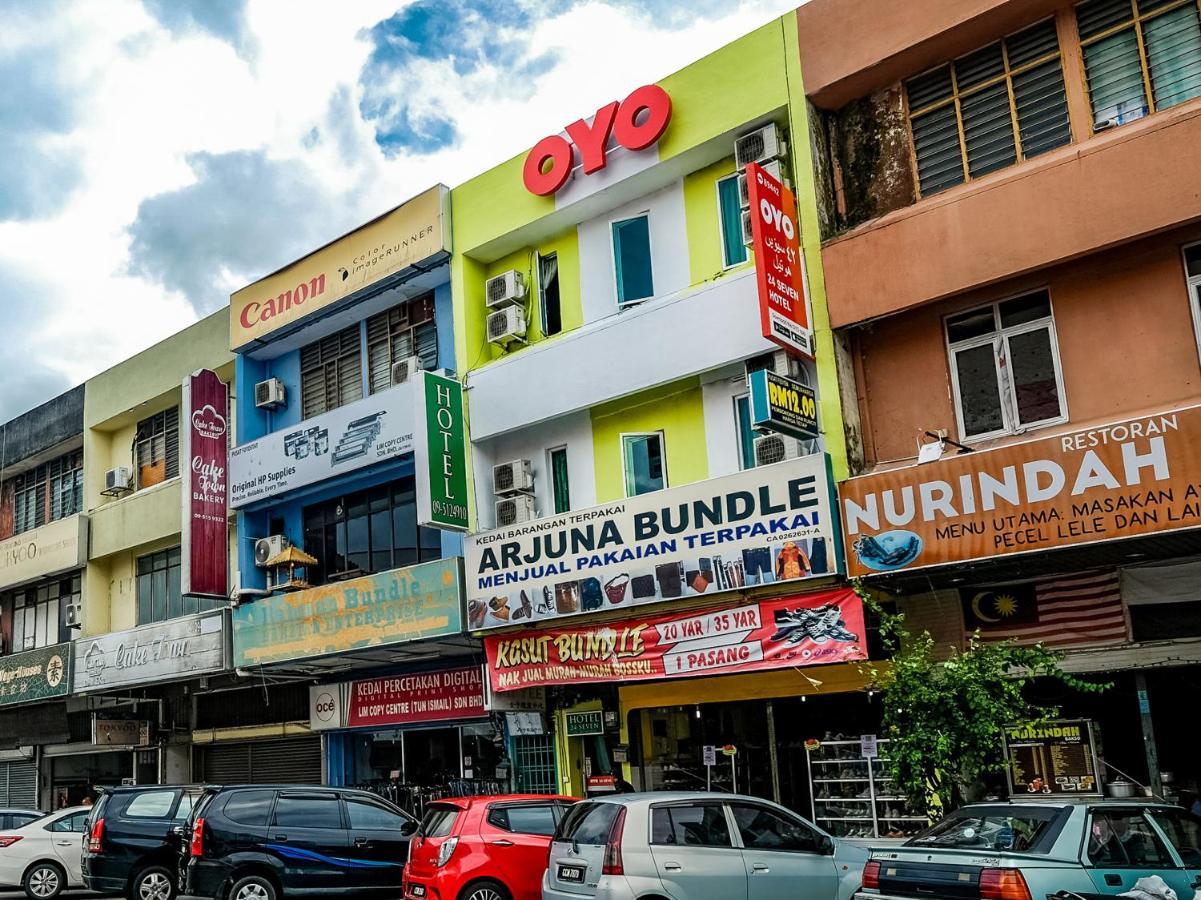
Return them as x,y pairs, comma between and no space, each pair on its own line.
65,843
1113,880
502,843
759,867
672,867
280,837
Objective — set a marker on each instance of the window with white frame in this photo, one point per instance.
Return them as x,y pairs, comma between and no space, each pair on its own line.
549,300
39,613
1192,271
1005,369
644,461
746,432
632,259
729,211
560,487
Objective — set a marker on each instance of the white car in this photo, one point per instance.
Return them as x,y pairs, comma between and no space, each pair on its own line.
42,857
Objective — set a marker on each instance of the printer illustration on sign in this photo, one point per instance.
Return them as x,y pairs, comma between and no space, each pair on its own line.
309,442
360,435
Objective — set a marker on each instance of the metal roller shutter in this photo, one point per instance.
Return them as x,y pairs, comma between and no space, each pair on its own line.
289,761
19,784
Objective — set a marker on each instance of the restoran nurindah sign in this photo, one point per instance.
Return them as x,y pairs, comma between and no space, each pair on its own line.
1135,477
763,526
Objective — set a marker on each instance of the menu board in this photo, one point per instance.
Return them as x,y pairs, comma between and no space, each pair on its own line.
1057,757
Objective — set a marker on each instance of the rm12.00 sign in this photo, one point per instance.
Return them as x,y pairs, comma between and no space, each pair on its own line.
779,265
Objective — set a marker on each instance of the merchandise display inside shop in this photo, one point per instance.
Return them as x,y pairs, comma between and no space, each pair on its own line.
804,753
412,767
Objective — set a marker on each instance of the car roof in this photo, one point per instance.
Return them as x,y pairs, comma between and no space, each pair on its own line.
21,810
647,797
469,802
138,788
1071,801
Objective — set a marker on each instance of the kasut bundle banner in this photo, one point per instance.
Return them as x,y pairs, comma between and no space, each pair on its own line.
764,526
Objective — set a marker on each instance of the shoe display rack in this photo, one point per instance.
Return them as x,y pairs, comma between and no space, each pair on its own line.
852,795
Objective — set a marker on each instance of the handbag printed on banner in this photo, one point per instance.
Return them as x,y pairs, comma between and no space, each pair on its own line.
591,597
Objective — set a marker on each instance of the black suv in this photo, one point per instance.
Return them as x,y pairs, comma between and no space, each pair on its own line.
131,842
256,842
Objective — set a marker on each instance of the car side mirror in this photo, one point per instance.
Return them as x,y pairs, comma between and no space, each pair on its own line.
408,828
825,845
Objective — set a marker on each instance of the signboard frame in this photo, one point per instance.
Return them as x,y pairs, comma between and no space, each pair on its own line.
784,405
585,723
159,650
1088,741
204,450
19,671
440,448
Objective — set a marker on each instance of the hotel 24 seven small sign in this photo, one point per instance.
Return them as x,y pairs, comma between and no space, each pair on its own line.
190,645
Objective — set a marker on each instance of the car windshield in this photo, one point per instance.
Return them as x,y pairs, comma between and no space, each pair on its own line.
1016,830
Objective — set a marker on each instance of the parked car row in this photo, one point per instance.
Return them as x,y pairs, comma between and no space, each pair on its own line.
267,842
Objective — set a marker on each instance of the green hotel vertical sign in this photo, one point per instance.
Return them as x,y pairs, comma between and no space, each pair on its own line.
441,450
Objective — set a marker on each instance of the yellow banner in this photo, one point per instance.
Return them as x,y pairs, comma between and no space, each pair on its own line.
411,234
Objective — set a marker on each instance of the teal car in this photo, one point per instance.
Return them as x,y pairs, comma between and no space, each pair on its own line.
1030,850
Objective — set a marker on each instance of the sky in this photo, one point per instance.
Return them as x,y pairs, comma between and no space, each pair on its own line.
156,155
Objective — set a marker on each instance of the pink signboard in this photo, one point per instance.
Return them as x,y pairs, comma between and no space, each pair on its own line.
204,450
418,697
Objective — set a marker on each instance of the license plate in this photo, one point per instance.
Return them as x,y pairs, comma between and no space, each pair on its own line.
574,874
417,890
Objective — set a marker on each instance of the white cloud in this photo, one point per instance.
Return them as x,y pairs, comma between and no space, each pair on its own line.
146,98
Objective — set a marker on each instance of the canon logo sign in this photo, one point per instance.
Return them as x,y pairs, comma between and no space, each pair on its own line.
635,123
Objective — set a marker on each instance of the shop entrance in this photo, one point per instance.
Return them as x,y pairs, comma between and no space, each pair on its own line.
767,738
77,776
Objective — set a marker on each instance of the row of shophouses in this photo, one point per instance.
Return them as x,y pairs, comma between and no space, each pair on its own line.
508,489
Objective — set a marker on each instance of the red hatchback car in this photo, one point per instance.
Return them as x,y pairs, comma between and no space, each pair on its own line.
483,848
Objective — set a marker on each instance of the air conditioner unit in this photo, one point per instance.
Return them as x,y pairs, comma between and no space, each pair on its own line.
513,510
774,448
512,478
405,369
772,167
759,146
504,289
748,235
507,326
118,480
265,548
72,615
779,362
270,394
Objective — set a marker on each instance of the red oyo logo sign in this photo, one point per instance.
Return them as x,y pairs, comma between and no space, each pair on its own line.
636,122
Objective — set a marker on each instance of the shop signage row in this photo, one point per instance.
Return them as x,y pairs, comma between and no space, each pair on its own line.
178,648
40,674
414,698
56,547
1130,478
779,264
412,234
409,604
204,448
804,630
767,525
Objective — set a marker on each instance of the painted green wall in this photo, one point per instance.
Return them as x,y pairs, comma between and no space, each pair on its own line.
702,214
677,410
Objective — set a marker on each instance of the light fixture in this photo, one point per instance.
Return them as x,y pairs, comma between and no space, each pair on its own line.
698,712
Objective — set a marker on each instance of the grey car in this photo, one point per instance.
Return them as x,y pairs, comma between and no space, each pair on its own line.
687,846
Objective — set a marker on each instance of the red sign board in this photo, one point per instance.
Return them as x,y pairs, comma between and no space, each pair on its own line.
779,265
635,123
204,446
803,630
417,697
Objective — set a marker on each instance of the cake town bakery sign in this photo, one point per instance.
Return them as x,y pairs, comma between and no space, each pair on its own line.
179,648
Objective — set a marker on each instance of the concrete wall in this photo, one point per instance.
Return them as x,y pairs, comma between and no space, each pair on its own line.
44,427
1125,335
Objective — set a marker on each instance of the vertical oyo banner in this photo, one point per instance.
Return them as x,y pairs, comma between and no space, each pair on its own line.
440,447
779,265
204,448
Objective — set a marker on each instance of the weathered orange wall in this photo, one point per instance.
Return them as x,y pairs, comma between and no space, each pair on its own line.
850,48
1126,344
1121,185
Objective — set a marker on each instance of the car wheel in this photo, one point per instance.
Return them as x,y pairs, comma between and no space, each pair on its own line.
253,887
44,881
153,883
486,890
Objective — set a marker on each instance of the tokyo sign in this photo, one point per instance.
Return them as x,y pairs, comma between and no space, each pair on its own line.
779,263
635,123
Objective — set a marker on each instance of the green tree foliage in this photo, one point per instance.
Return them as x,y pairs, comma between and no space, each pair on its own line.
945,714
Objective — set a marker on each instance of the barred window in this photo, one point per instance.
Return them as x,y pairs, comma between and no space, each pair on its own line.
331,372
40,614
989,109
156,448
1139,56
398,333
53,490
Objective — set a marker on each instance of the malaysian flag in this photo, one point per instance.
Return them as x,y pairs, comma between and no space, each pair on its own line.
1064,611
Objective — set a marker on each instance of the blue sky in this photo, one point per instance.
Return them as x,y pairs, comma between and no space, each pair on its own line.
156,155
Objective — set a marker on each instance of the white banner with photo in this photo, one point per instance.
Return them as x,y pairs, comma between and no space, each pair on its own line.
767,525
